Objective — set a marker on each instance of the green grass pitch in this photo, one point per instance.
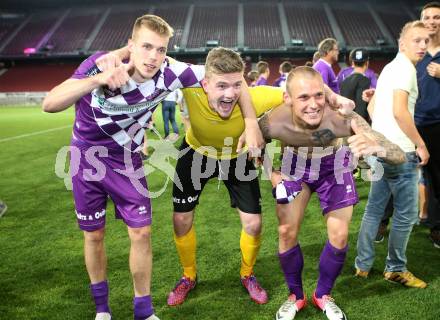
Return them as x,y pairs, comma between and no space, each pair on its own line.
42,273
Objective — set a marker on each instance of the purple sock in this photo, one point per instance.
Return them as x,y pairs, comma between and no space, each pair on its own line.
292,263
100,295
142,307
330,266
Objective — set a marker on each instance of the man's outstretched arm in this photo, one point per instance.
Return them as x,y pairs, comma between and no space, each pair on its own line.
68,92
366,141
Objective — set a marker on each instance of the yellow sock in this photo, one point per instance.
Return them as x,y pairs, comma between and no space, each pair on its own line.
186,248
249,245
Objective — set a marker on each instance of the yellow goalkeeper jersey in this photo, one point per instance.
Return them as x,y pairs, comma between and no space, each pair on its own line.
215,137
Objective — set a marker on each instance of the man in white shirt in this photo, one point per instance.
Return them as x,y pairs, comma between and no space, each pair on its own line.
395,96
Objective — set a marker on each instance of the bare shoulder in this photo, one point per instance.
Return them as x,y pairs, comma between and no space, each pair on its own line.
275,121
343,124
338,124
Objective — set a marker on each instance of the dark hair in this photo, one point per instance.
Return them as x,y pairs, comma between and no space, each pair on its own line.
360,64
262,66
286,67
434,4
252,75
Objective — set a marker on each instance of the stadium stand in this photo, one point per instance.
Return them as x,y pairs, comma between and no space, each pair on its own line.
262,26
176,17
28,84
260,23
117,28
76,27
214,23
357,25
299,17
393,19
29,77
256,27
8,23
31,34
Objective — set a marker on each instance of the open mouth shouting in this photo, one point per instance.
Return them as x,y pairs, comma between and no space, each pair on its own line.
225,106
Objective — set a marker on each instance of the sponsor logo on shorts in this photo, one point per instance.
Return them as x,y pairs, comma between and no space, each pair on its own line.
142,210
90,217
185,200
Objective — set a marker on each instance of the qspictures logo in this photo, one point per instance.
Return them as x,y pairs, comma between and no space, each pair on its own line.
165,154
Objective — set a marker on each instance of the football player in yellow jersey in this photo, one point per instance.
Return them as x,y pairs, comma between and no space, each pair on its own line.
209,150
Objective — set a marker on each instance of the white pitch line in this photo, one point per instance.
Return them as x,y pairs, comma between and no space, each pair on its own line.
34,133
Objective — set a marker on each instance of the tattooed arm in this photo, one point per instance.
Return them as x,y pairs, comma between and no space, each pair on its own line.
264,127
366,141
277,124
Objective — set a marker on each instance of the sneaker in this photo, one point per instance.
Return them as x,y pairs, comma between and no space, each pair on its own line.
381,233
328,306
173,137
361,273
152,317
103,316
178,294
3,208
406,278
256,292
434,236
290,307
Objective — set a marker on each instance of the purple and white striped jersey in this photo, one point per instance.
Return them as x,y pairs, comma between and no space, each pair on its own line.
118,118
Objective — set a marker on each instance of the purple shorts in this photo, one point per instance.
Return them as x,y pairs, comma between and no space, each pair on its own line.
330,176
97,176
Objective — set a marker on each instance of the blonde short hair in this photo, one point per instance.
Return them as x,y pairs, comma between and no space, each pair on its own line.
153,23
222,60
410,25
304,72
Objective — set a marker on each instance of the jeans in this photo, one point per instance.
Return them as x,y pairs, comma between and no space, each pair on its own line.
400,181
169,115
